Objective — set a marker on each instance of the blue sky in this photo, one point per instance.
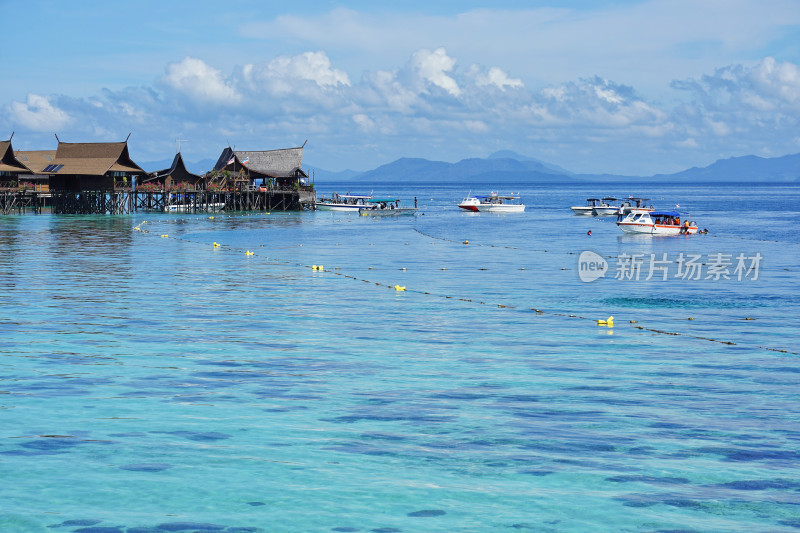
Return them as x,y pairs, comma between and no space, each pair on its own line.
628,86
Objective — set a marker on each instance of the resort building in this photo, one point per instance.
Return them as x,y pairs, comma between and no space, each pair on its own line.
80,167
11,168
275,169
175,176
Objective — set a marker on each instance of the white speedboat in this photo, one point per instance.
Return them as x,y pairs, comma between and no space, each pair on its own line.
587,209
190,208
344,202
385,207
492,203
606,207
656,223
632,202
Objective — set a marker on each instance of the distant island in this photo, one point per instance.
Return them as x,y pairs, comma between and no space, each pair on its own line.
509,167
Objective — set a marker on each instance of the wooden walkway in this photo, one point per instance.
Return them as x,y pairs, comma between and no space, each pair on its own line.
125,201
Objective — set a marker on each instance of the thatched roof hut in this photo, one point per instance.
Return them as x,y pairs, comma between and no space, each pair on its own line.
92,166
175,174
285,166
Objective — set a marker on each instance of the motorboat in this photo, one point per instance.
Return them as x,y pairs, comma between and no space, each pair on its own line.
384,207
344,202
606,207
587,209
191,208
492,203
656,223
632,202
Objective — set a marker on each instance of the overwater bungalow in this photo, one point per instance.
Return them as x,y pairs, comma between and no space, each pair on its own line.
274,169
79,167
174,176
14,172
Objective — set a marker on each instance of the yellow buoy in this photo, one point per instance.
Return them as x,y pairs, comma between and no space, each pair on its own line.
217,245
248,252
164,236
607,322
466,242
399,288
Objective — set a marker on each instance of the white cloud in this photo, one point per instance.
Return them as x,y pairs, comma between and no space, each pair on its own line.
427,107
384,89
432,67
282,73
498,78
364,122
200,81
38,114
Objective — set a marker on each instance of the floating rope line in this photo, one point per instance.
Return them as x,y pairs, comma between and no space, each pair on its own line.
319,268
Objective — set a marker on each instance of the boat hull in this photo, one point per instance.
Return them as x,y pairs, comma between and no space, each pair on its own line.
655,229
504,208
605,211
476,206
189,208
339,207
398,211
582,210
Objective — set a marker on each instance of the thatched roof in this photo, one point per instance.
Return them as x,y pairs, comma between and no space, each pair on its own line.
283,163
93,159
177,171
8,160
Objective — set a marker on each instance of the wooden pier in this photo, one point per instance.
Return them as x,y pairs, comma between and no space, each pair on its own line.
13,201
125,200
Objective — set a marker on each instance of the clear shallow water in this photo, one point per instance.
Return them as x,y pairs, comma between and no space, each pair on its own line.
153,384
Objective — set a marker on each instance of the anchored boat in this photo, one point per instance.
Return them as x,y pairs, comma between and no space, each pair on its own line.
587,209
344,202
656,223
385,206
492,203
634,203
606,207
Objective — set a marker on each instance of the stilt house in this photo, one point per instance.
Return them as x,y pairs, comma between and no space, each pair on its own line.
93,167
174,176
12,170
283,168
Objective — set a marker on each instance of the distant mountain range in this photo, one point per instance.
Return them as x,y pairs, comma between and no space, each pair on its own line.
509,167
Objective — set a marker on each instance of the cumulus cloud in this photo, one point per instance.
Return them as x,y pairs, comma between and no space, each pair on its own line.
38,114
595,102
432,68
428,107
498,78
765,86
199,81
282,74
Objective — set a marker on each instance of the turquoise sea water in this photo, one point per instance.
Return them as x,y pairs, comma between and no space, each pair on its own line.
151,382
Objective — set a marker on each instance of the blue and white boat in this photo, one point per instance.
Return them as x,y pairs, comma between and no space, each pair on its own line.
344,202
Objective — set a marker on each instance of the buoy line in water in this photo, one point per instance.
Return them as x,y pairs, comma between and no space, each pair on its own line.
466,242
320,268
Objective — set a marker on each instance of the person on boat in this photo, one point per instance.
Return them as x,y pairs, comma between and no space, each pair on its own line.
685,227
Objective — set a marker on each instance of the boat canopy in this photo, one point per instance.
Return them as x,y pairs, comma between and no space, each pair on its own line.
610,198
382,200
665,214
